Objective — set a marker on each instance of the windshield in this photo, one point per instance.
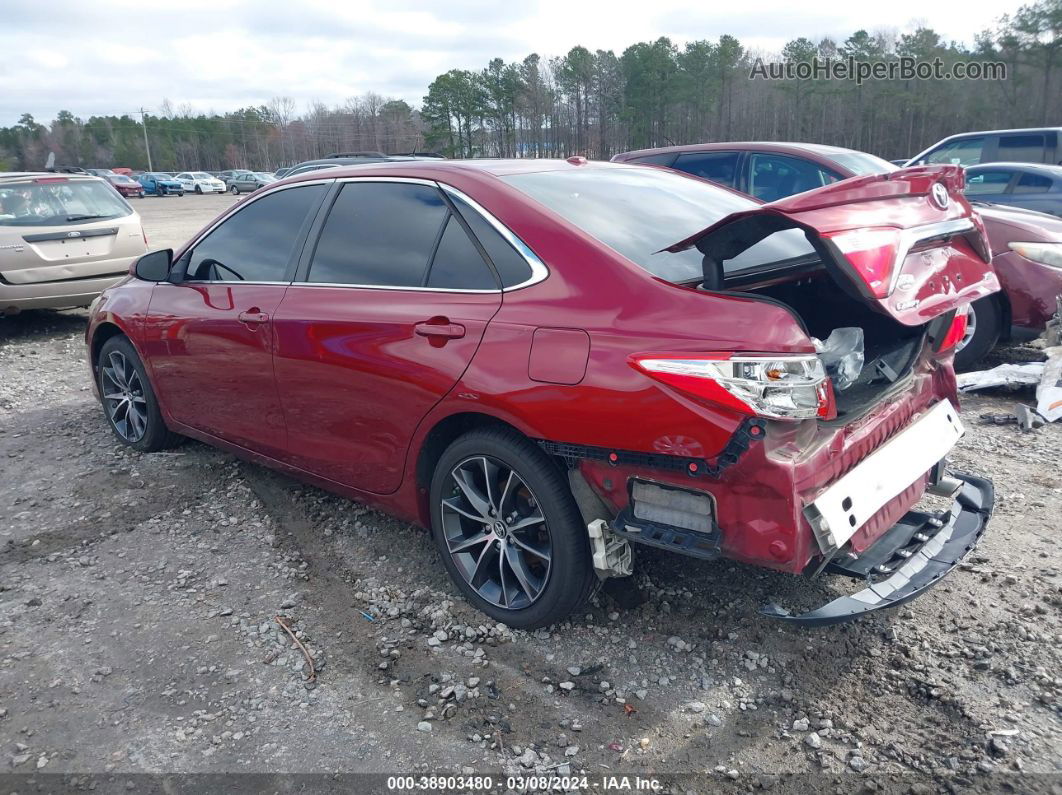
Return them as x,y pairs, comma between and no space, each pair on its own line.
58,203
201,175
121,178
263,175
860,163
640,210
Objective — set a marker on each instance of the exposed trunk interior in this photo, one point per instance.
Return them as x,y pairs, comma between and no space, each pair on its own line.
890,348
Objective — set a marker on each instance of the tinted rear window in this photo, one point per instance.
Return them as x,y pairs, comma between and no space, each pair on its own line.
59,203
640,211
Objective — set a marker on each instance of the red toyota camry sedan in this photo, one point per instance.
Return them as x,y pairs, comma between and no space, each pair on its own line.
552,363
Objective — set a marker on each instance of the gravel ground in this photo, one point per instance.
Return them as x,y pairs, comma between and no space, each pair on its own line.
139,629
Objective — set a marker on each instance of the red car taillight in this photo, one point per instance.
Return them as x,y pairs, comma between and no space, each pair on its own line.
956,331
780,386
872,253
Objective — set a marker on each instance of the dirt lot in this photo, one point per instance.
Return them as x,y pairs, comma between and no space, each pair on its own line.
137,630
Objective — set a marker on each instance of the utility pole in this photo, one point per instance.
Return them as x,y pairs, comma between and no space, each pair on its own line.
147,146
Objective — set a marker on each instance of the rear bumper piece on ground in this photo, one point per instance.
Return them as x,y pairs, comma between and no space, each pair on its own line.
918,551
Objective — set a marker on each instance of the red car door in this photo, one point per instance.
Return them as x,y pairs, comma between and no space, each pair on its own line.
387,313
209,336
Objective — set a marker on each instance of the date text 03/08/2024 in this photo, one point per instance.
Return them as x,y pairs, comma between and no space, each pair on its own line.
476,783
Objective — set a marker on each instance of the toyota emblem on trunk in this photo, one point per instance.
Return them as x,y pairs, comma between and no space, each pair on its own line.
939,194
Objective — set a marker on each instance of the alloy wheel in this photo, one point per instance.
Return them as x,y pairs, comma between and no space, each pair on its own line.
123,397
496,533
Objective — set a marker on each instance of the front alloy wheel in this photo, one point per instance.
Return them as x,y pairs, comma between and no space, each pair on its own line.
234,191
128,400
123,397
495,533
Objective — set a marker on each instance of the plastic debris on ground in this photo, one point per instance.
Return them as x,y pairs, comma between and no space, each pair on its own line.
1003,375
1049,390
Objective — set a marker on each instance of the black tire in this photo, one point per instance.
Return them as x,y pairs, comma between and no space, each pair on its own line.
988,326
180,193
199,190
569,579
155,435
234,190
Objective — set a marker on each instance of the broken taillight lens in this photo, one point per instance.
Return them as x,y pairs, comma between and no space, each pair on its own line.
872,252
956,331
781,387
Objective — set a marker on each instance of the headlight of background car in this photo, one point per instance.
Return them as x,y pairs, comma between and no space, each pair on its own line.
1044,253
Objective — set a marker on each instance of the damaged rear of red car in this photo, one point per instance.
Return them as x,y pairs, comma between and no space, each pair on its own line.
824,444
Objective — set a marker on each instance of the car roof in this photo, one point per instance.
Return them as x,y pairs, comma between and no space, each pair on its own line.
432,168
12,176
770,146
1001,132
1045,168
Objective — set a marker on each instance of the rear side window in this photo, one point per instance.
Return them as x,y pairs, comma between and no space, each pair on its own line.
986,182
719,167
510,264
773,177
379,234
57,201
1021,148
457,264
1033,183
964,152
255,244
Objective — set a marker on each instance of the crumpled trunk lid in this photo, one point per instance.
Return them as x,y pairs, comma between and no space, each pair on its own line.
907,242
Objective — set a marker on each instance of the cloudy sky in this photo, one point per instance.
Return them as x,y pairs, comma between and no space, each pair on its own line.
114,56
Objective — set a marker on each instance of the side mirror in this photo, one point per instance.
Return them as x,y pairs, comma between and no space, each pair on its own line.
154,266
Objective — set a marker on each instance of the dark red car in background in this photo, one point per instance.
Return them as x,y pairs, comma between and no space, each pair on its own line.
549,362
1026,246
125,185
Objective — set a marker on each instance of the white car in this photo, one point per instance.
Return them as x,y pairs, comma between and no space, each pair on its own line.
200,182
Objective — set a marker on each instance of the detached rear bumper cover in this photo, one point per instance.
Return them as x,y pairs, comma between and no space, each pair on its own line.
949,536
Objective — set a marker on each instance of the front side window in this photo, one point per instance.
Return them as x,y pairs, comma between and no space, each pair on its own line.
57,201
985,182
638,212
257,242
1021,148
1033,183
773,177
719,167
964,152
379,234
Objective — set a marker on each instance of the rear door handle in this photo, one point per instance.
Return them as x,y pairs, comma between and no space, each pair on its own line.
253,317
440,328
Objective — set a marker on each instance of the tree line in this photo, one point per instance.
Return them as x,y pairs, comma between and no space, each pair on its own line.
599,103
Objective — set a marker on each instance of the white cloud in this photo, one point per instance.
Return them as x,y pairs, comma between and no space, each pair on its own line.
223,54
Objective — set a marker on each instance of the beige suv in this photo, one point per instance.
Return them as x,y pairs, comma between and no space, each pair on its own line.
64,238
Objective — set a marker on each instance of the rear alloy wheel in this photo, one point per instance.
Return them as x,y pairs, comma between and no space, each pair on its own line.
508,529
128,400
984,324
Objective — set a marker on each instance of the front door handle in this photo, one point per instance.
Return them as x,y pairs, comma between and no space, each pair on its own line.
440,327
253,316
